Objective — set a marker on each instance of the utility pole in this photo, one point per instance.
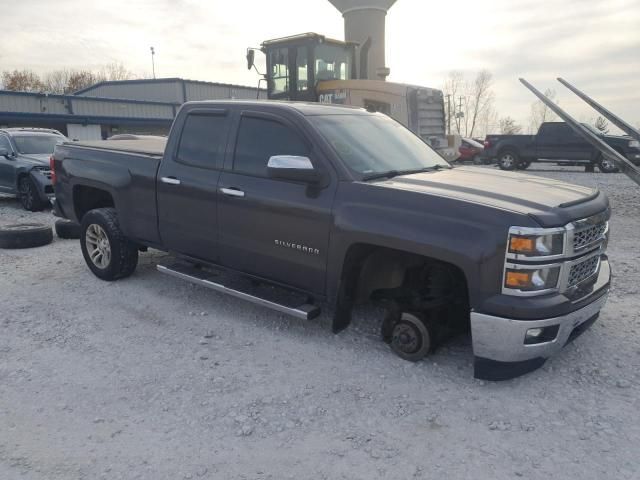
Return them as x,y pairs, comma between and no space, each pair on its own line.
153,63
448,114
459,116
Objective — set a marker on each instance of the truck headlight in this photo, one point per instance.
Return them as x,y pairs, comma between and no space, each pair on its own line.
634,144
543,245
532,280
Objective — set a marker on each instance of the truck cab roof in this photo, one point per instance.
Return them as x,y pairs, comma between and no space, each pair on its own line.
305,108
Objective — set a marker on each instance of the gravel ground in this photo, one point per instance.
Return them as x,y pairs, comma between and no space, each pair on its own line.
154,378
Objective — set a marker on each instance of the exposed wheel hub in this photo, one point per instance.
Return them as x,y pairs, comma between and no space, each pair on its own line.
410,338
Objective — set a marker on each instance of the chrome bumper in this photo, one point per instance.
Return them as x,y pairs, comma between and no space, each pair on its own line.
502,339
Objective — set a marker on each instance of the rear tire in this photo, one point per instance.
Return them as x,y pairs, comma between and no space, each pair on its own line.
606,166
508,160
27,235
67,229
29,195
108,253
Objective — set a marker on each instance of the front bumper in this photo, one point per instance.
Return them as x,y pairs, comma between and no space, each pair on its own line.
499,343
43,183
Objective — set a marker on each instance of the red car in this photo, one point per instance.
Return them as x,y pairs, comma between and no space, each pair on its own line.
470,151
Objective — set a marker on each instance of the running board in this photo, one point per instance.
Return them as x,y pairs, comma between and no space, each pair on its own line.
306,311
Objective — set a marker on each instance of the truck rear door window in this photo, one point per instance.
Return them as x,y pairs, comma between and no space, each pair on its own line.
203,139
259,139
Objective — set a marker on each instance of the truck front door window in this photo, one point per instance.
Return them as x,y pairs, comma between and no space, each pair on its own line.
260,139
203,140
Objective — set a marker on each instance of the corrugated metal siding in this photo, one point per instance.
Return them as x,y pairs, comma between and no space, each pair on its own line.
206,91
98,108
154,91
171,91
33,104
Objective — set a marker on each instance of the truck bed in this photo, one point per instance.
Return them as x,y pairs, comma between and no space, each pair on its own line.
147,146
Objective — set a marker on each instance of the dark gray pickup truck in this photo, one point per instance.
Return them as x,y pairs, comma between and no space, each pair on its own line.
556,142
339,206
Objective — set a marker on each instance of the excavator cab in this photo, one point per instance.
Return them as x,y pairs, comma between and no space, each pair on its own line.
296,64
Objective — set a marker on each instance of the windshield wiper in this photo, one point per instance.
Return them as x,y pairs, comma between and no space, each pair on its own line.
397,173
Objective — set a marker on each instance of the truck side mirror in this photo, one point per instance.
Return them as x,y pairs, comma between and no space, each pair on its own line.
291,167
5,153
251,55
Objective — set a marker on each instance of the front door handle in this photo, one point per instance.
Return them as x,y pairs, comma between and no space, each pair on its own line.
170,180
232,192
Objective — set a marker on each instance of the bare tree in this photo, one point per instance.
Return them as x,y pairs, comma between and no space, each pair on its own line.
472,110
454,86
63,81
57,81
541,113
508,126
80,79
480,99
22,81
602,124
114,71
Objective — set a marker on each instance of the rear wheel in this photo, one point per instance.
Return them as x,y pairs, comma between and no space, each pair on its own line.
28,194
108,253
508,160
606,166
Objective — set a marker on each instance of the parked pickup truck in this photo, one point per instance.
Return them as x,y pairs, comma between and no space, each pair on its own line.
336,206
24,164
556,142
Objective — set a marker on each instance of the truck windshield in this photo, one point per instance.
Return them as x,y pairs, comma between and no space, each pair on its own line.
373,145
37,144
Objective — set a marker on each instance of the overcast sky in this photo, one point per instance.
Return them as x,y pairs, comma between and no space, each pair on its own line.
594,44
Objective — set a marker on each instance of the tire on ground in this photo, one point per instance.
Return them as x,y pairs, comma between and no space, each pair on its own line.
122,257
508,160
28,194
26,235
67,229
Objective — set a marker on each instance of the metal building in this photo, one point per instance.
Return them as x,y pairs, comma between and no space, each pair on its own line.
107,108
171,90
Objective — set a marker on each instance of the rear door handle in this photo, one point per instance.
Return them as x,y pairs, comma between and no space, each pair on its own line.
170,180
232,192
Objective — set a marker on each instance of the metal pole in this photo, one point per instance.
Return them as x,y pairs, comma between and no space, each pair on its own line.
153,63
613,118
620,161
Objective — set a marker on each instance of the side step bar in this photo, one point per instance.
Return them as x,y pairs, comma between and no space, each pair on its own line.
204,278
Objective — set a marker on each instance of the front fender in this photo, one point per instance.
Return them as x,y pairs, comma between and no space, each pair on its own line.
472,237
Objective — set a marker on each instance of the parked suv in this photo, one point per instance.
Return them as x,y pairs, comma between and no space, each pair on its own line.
24,164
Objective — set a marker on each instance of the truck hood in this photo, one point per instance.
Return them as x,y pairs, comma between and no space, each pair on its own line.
35,159
550,202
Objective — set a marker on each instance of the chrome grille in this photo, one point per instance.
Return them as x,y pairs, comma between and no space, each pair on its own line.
586,236
583,270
